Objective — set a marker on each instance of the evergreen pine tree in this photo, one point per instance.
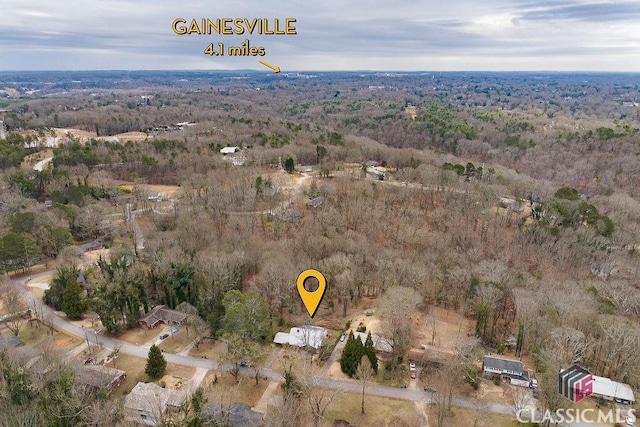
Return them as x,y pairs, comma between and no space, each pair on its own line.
353,352
156,363
370,352
347,354
358,353
73,304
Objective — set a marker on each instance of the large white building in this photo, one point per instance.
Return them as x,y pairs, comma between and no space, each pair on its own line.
612,390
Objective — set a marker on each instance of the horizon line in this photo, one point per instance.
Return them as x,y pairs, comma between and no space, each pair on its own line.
258,70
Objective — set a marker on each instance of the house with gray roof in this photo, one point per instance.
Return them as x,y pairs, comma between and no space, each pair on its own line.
99,378
507,369
162,314
235,415
147,403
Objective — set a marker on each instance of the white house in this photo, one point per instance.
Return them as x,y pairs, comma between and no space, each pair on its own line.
229,150
379,343
612,390
302,336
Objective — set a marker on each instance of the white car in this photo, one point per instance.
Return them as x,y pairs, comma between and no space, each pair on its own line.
412,366
630,420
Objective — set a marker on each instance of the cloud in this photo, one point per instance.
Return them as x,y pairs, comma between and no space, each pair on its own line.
333,34
589,12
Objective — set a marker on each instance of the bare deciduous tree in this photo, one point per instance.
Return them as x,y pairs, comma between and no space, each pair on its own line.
364,372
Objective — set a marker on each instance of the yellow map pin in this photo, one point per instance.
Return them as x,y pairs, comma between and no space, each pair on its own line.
311,300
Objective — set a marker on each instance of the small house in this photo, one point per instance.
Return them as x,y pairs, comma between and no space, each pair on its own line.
90,246
379,343
148,402
228,150
302,336
237,414
162,314
99,378
154,196
315,202
510,369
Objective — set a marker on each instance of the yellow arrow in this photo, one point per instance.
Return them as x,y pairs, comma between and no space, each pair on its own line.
275,68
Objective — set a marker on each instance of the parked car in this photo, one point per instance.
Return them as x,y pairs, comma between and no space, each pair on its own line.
630,420
163,336
413,375
429,389
412,366
343,337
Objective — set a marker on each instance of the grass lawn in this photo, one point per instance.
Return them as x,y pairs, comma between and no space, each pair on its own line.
213,350
139,335
378,410
134,367
226,391
37,336
467,417
175,343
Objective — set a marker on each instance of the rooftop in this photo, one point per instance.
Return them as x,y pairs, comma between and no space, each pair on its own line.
150,398
302,336
606,387
229,150
379,343
234,415
161,313
502,364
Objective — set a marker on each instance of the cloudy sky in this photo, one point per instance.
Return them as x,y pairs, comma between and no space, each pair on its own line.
496,35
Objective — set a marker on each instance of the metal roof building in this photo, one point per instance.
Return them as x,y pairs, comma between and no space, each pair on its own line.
612,390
